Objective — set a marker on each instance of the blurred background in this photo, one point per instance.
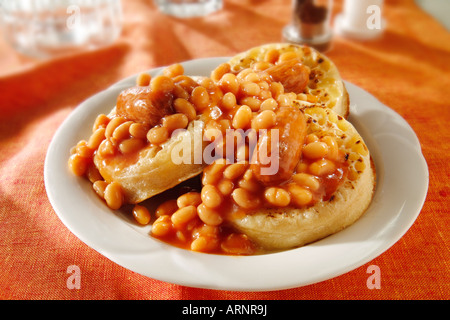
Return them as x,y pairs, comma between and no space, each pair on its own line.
159,31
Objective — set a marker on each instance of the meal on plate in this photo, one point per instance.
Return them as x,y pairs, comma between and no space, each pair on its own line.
255,158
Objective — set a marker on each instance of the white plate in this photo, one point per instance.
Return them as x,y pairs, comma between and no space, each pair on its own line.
402,184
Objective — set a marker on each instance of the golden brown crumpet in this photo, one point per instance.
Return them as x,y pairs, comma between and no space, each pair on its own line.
288,227
324,81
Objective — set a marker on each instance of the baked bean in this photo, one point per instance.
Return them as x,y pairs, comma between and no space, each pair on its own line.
96,138
243,73
204,244
141,214
185,107
138,130
167,208
299,195
311,138
277,89
113,195
131,145
261,65
173,70
183,215
228,101
106,148
122,131
225,124
99,187
225,187
264,94
206,231
189,199
158,135
237,244
307,180
210,196
250,88
235,170
213,173
162,84
272,56
252,77
301,167
229,83
322,167
200,98
100,122
242,153
264,85
143,79
185,82
264,120
112,125
208,215
245,199
302,97
208,84
277,196
252,102
162,226
175,121
93,174
212,133
248,175
78,164
315,150
269,104
180,92
221,70
242,118
250,185
83,150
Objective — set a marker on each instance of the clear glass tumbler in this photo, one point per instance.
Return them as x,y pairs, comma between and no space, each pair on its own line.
43,28
310,23
188,8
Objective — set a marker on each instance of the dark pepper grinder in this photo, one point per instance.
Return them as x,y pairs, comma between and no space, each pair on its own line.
310,24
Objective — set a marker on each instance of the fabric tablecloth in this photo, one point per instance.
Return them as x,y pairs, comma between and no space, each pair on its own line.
407,69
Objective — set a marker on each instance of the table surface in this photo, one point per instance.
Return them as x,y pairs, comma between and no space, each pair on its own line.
407,69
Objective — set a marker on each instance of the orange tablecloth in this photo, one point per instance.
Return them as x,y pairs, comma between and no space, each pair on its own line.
408,69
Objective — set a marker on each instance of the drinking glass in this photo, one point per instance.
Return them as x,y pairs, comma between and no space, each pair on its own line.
42,28
188,8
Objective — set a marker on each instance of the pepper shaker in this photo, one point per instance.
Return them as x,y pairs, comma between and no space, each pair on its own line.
310,23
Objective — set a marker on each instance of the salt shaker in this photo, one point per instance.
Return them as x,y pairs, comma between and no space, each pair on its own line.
310,23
